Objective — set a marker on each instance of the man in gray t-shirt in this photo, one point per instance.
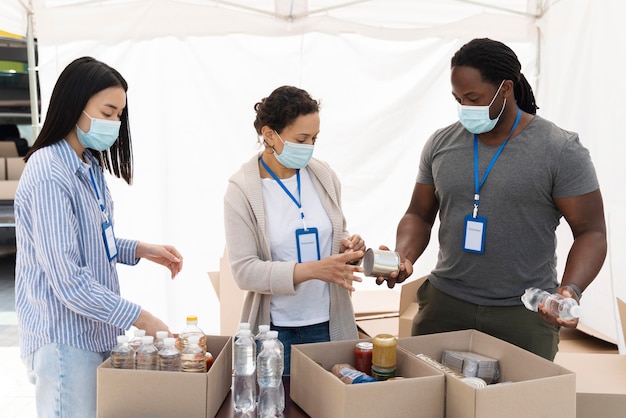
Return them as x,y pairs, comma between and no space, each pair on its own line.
500,180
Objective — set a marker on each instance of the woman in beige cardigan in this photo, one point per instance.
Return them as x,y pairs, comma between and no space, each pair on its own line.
285,231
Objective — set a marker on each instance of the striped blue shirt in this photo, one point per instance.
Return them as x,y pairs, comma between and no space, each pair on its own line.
66,289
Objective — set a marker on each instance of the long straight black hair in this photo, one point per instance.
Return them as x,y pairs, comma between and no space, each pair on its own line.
79,81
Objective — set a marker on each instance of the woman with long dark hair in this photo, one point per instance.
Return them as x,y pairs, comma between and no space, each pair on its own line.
68,301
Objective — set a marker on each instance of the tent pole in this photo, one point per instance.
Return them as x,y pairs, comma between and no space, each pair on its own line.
32,72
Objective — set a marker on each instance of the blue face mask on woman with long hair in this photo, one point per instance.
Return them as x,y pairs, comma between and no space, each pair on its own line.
476,118
101,135
294,155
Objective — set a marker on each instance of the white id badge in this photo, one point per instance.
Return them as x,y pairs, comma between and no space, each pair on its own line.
308,245
109,240
474,235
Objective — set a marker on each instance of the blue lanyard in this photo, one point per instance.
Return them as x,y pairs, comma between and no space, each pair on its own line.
478,185
98,196
280,183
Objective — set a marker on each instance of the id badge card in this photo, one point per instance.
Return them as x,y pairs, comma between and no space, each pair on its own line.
308,245
474,234
109,240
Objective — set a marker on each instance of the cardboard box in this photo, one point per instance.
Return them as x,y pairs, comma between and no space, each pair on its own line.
538,388
372,327
141,393
231,297
408,306
600,371
321,394
600,383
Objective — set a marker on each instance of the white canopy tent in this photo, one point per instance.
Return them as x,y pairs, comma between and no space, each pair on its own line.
381,70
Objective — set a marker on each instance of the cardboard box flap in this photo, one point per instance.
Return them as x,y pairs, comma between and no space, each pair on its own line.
221,371
408,294
597,373
321,394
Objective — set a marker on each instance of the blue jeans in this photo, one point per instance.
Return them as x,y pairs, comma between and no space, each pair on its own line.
316,333
65,380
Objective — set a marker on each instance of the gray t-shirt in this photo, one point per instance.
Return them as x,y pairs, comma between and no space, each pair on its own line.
539,164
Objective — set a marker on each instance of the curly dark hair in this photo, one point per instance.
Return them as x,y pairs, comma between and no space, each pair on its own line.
282,107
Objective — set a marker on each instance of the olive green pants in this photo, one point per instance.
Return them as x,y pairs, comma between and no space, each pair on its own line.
517,325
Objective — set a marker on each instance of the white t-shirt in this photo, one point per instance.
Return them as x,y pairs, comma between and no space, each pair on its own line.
311,303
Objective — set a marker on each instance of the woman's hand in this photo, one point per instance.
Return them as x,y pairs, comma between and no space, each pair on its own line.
354,243
166,255
333,269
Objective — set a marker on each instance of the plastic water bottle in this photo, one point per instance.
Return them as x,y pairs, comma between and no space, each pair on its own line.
169,356
280,348
146,356
122,355
191,329
242,326
269,376
260,337
258,340
135,342
193,356
564,308
244,392
160,336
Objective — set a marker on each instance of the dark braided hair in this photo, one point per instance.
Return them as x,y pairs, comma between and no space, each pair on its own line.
282,107
497,62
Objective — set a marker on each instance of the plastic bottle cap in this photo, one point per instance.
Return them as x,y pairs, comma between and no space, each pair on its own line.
162,334
192,318
264,328
244,325
245,332
272,334
148,339
169,341
121,339
140,332
575,311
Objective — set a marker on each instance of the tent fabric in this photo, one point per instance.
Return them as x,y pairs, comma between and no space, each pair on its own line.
195,71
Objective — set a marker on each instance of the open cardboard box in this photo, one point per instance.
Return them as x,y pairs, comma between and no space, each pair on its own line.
600,379
231,297
142,393
321,394
408,306
538,388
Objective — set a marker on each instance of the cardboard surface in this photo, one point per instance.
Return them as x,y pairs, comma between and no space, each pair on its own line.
230,296
141,393
14,167
7,189
370,304
321,394
373,327
600,383
408,306
535,382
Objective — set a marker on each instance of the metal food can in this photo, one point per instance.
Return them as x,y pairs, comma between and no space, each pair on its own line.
476,382
380,262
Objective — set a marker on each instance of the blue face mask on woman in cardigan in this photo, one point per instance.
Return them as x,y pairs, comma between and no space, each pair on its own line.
294,155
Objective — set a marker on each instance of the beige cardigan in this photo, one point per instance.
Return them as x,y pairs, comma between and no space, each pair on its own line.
248,246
